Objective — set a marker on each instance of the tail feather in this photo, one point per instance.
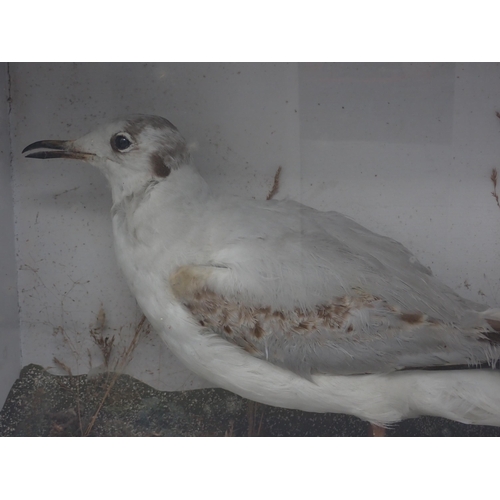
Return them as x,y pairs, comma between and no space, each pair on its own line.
470,397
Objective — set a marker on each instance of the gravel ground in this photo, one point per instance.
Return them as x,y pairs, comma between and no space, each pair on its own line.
41,404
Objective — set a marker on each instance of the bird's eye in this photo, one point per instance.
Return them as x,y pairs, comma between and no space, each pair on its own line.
120,142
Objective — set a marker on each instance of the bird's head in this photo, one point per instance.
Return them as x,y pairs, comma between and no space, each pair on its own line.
130,152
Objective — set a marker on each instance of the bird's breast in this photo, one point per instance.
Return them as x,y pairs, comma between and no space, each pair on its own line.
150,244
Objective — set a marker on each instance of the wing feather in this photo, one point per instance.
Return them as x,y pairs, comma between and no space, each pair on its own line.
315,292
350,334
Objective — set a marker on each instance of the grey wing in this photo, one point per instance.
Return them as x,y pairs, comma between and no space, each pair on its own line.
325,295
349,335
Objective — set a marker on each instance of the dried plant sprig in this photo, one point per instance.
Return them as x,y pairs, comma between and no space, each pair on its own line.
105,344
276,184
494,180
142,328
62,365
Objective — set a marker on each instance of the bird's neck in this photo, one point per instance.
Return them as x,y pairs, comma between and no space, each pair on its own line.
159,228
128,186
183,183
174,204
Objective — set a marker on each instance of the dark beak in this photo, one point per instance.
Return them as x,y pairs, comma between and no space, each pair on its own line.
63,149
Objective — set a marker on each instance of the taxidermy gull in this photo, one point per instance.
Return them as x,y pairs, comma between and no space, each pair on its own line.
283,304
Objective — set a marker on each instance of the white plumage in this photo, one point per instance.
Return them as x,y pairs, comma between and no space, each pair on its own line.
283,304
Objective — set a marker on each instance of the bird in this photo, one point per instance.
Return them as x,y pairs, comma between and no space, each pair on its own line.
281,303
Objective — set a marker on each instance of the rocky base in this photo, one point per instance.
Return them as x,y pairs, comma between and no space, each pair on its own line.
41,404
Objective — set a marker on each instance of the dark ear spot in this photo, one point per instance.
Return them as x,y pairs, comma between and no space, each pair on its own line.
160,168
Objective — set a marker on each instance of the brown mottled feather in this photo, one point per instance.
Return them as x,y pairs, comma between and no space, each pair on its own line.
355,333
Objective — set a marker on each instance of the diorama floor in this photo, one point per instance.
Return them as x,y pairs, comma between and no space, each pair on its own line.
41,404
